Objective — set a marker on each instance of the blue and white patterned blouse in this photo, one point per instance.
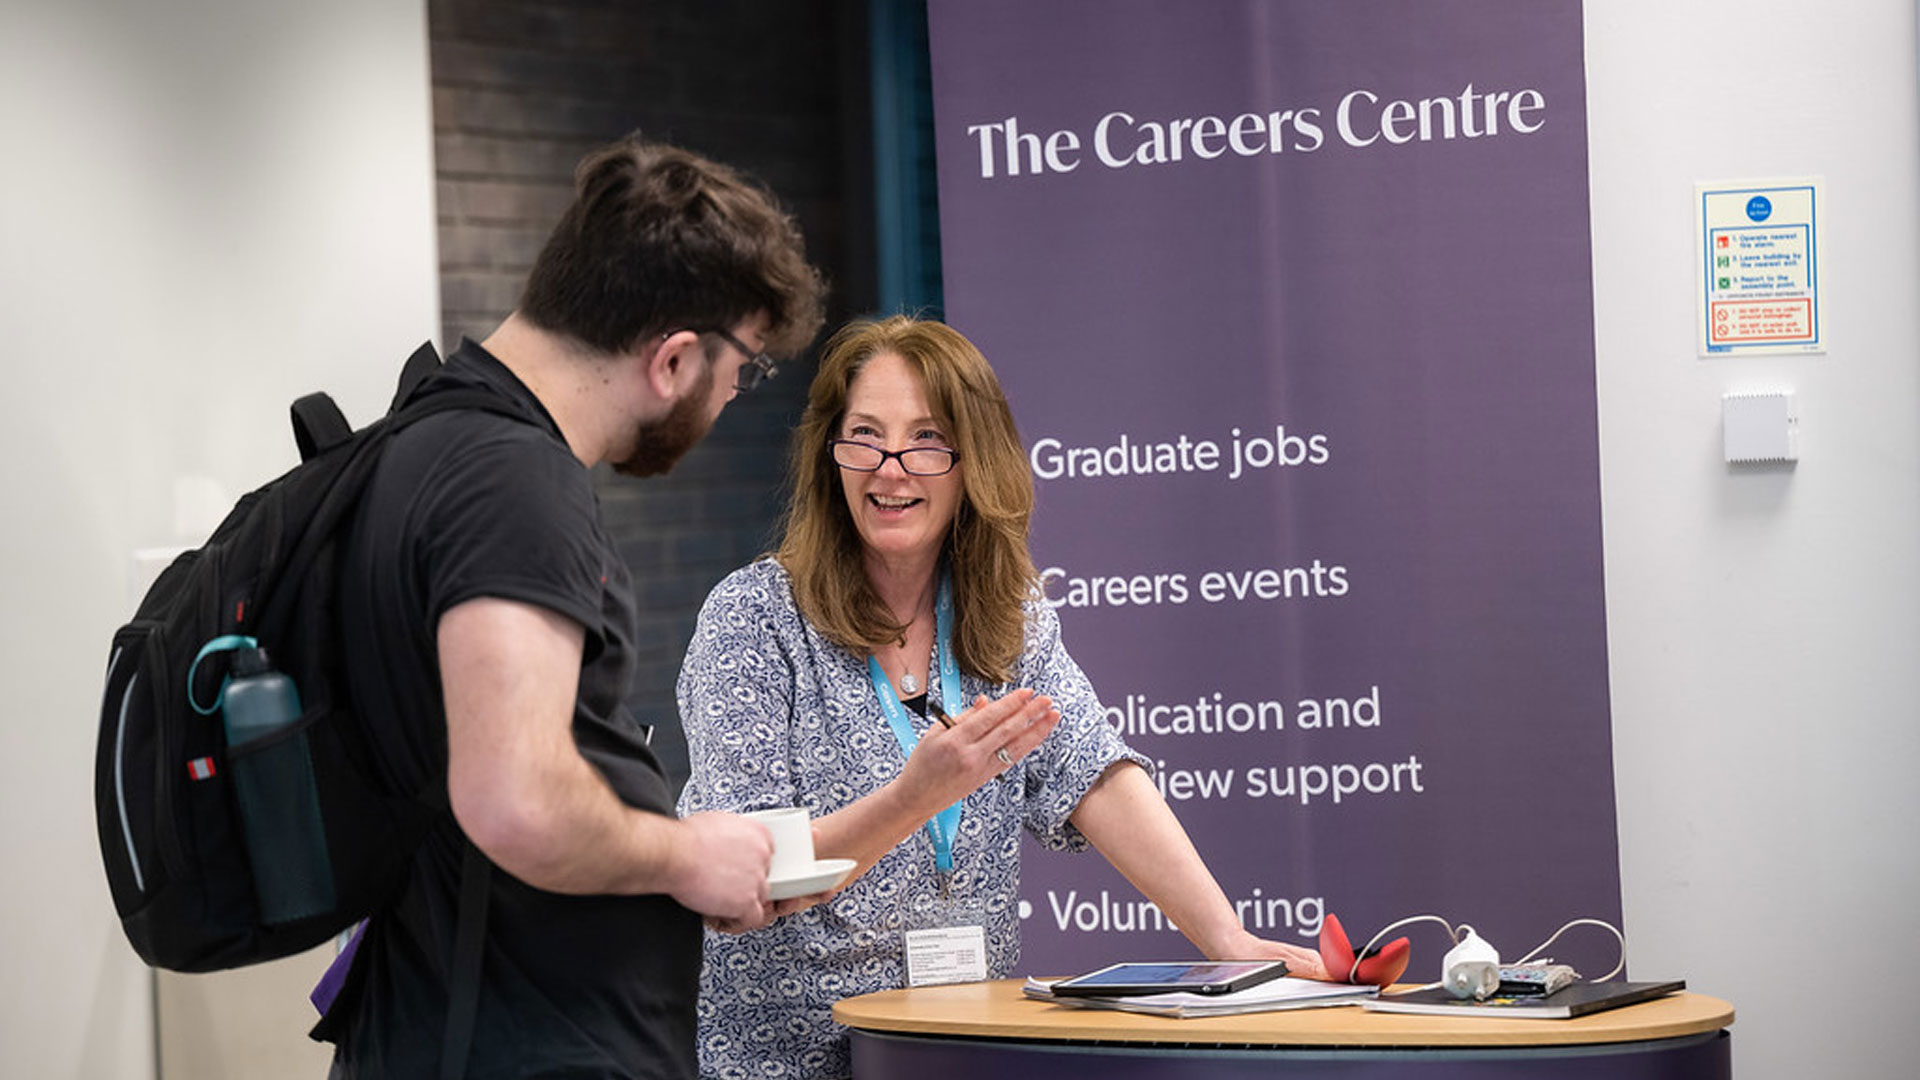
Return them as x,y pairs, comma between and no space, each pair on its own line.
777,715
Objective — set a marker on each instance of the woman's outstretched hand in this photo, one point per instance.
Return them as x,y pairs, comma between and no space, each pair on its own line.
963,752
956,756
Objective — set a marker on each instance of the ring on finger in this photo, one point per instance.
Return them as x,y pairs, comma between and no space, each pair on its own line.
1002,755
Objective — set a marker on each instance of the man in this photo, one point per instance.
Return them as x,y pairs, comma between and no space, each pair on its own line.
491,626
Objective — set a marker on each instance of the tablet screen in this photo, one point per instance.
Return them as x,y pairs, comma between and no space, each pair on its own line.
1204,977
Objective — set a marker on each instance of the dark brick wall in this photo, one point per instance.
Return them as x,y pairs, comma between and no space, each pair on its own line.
522,89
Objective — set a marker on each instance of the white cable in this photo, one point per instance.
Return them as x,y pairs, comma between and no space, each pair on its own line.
1455,933
1361,954
1614,930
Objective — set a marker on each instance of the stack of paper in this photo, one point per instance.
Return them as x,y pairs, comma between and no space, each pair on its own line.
1286,993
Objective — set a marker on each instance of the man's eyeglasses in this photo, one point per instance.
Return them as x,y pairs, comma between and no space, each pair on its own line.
758,368
917,461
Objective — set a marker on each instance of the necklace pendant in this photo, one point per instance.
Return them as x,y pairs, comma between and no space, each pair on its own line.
908,684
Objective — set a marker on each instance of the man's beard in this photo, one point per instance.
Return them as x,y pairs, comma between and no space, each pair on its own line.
659,444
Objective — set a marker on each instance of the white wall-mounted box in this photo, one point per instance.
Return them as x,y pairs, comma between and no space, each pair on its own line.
1760,427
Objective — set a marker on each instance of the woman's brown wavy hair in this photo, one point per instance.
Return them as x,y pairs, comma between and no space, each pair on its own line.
986,549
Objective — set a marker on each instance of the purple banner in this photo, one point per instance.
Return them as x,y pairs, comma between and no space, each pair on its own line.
1293,303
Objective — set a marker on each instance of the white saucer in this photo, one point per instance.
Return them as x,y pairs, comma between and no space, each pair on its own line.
826,873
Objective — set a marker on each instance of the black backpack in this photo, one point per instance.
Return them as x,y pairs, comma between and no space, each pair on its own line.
170,820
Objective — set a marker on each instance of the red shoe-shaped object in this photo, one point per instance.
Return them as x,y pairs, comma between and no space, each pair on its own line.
1381,967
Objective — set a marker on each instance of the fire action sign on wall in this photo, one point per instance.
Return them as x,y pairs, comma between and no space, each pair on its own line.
1759,267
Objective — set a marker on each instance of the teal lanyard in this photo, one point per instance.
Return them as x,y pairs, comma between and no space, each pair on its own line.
946,823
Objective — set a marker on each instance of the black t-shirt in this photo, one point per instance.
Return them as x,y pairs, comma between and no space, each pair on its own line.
468,504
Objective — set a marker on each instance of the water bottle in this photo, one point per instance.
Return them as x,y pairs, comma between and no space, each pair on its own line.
273,780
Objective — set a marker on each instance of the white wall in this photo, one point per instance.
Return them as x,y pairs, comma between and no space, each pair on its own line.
207,208
1764,625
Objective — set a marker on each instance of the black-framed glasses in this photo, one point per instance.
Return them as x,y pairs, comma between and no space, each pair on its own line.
758,368
916,460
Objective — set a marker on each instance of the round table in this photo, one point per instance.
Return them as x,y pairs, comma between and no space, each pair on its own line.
989,1029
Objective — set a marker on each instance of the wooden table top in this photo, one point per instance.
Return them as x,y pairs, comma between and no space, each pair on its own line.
997,1010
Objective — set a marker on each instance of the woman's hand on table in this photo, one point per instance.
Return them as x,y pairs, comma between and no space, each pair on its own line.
1302,963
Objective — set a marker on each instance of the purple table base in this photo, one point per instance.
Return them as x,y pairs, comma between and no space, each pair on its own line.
882,1056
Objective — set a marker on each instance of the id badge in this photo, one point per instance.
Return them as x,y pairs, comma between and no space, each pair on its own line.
946,941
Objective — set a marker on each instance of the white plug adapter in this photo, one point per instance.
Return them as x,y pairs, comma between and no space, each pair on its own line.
1471,969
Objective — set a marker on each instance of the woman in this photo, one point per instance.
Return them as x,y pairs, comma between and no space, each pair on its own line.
903,592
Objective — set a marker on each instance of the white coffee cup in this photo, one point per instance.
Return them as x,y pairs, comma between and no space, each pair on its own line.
792,841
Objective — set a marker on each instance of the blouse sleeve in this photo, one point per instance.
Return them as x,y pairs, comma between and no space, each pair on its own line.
735,695
1079,751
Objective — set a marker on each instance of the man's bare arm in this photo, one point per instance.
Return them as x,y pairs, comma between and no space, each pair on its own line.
524,795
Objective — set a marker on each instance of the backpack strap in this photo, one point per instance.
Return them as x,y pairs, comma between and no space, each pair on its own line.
463,983
338,992
343,490
318,425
